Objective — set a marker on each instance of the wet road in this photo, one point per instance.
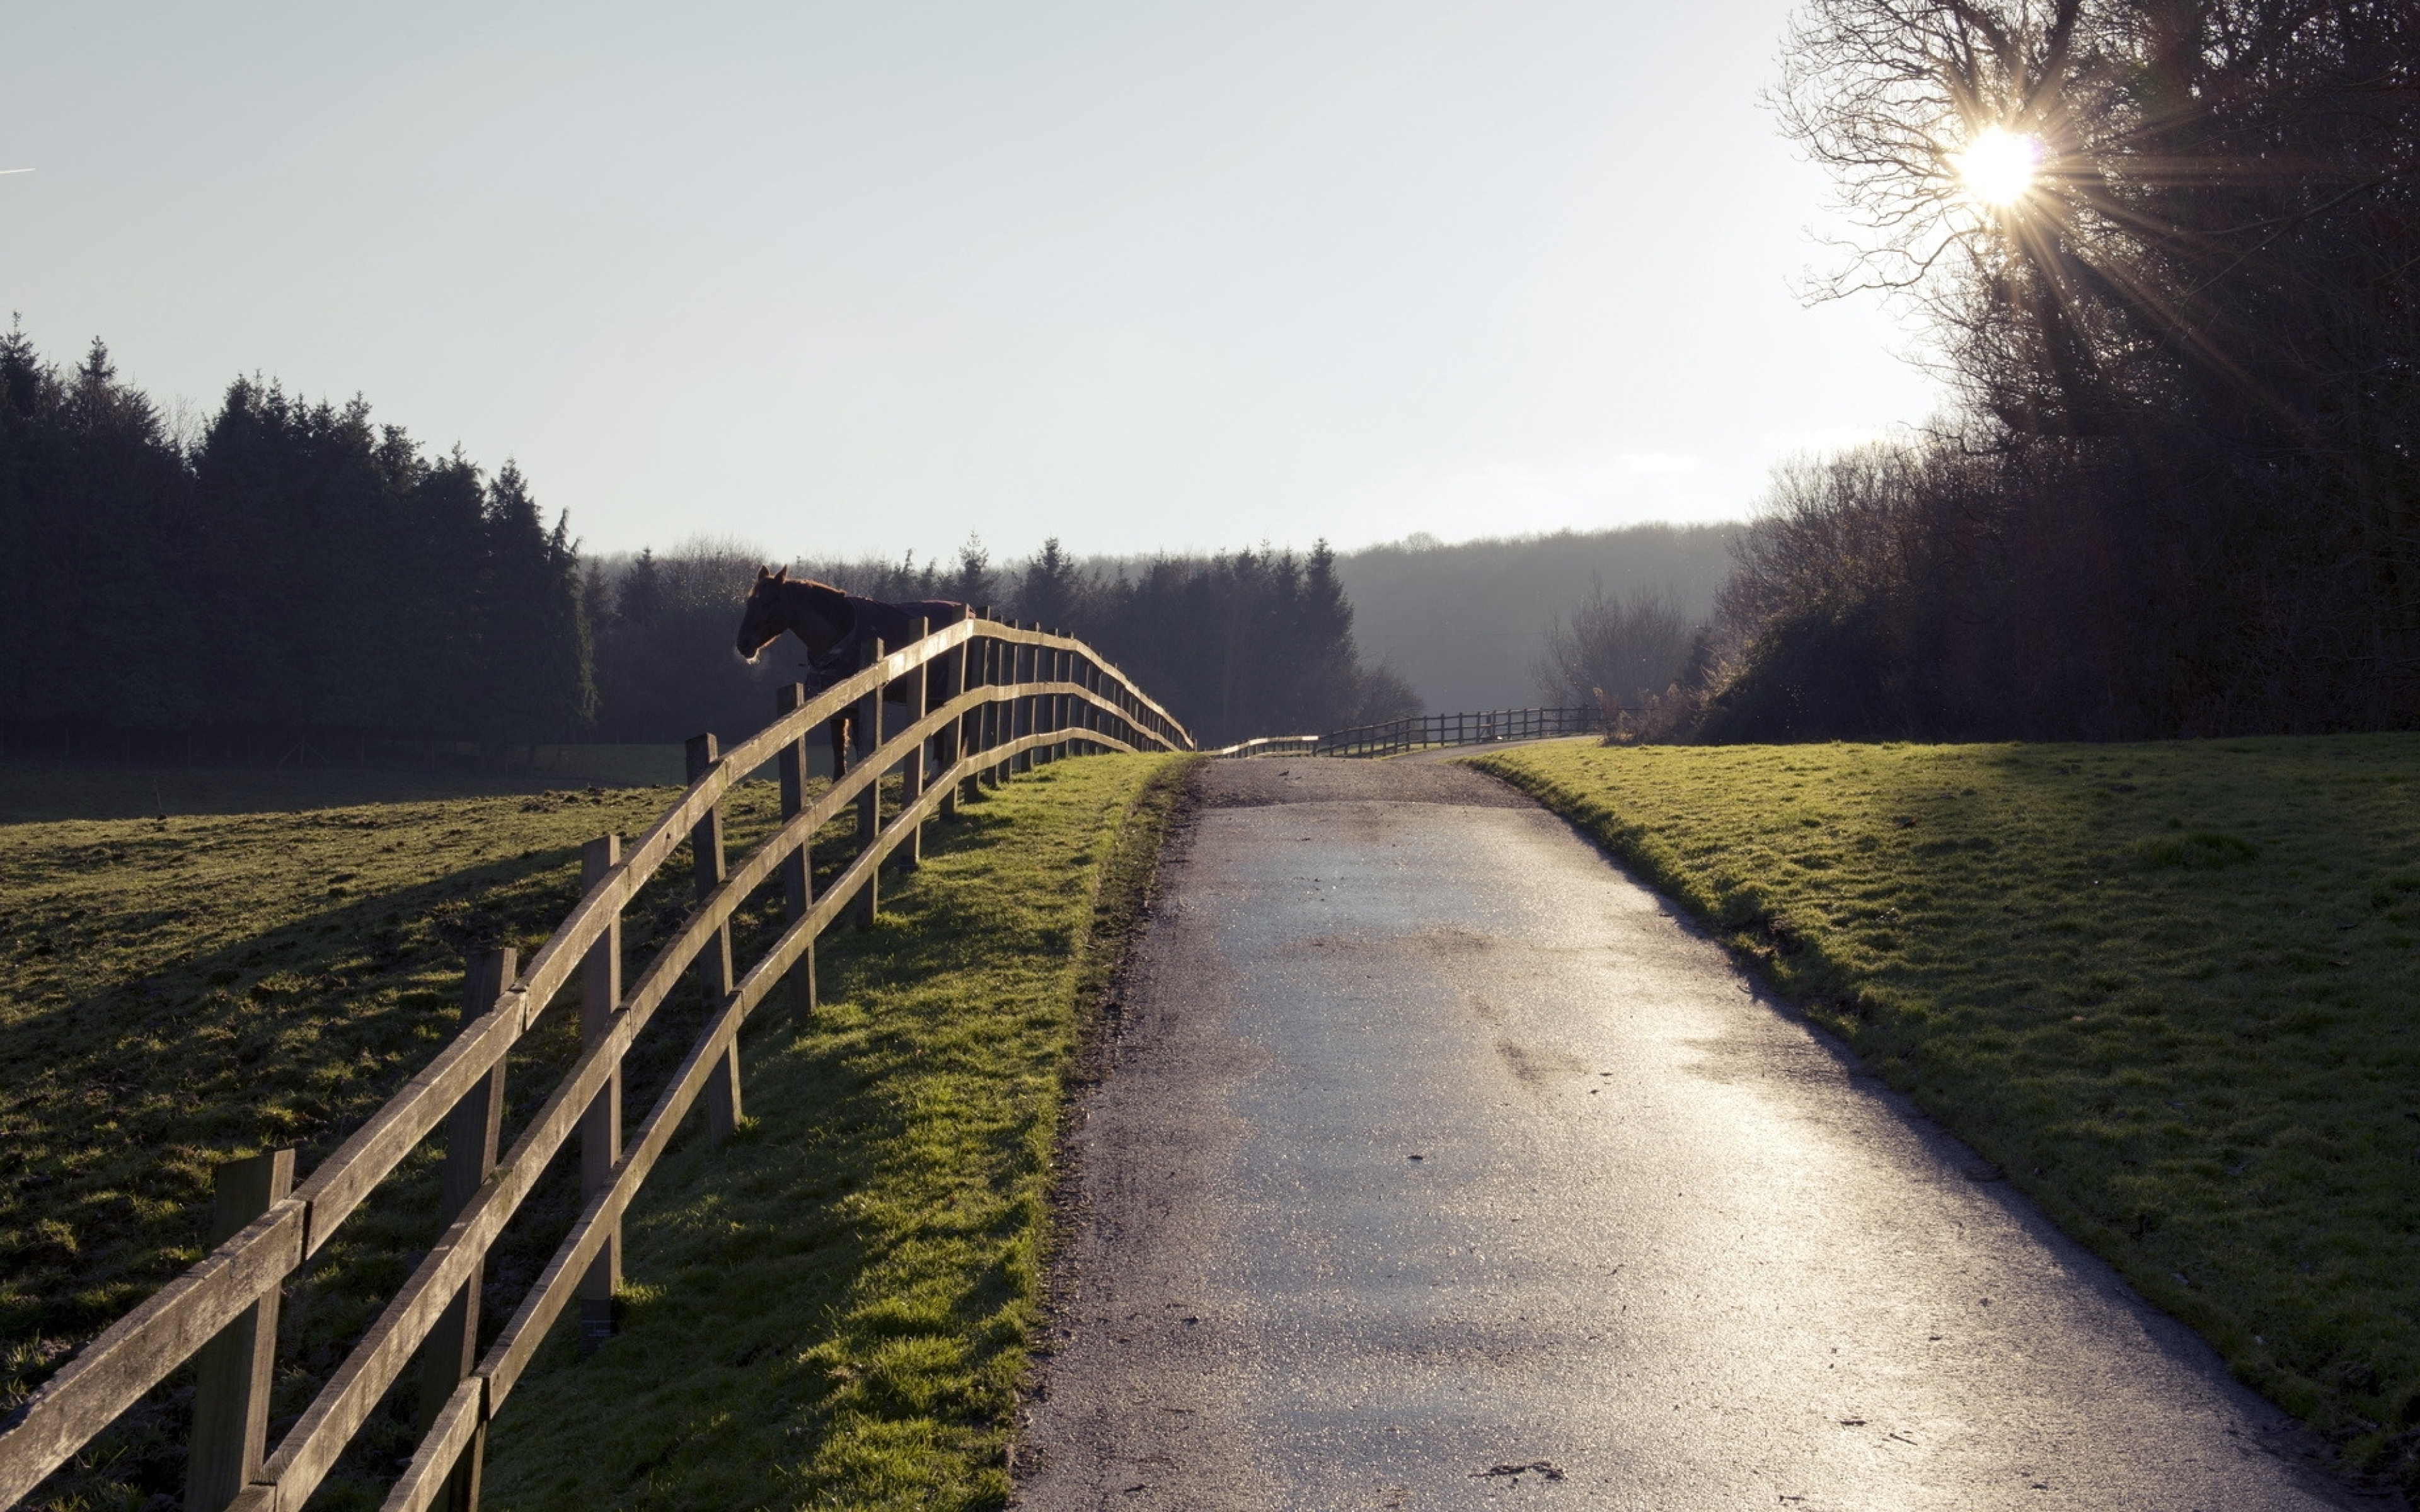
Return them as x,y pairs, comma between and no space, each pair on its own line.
1439,1167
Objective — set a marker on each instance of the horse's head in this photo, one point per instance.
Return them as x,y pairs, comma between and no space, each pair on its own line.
816,613
764,618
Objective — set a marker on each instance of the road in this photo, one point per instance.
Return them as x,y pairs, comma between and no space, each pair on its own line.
1437,1165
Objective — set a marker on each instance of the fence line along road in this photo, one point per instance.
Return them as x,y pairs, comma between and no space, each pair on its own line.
984,700
1420,731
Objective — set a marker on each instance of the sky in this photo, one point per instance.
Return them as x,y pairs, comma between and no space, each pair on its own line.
838,279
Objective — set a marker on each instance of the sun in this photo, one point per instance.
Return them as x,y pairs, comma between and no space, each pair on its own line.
1998,165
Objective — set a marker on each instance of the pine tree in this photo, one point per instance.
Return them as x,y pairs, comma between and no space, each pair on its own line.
539,681
1051,590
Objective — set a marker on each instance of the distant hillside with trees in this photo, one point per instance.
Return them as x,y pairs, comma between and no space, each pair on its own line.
1465,624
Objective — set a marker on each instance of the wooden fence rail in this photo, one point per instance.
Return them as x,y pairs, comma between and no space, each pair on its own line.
1420,731
983,698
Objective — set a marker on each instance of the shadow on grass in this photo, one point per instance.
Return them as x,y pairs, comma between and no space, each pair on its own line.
2164,986
120,1098
835,1309
117,1104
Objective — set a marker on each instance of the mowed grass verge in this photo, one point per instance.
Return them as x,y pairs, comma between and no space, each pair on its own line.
177,994
2170,989
835,1311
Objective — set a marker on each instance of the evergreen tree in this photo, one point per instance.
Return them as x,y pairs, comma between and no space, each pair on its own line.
91,488
1050,591
974,582
532,623
302,570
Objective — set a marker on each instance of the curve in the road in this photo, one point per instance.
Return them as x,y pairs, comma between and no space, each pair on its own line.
1441,1166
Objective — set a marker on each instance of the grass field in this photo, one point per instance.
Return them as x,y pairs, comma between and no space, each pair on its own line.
35,790
178,993
2169,989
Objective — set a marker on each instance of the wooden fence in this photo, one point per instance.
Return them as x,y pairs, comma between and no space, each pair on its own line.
983,700
1418,731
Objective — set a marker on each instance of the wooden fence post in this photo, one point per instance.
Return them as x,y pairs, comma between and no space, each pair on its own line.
911,771
1080,709
998,713
869,803
993,711
233,1372
471,1132
1059,710
1071,707
600,1127
798,869
976,724
1045,706
1086,716
952,742
1037,708
714,975
1004,712
979,673
1021,723
1096,718
972,674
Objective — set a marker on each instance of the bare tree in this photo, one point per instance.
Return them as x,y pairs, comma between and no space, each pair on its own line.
1624,650
2203,179
2186,326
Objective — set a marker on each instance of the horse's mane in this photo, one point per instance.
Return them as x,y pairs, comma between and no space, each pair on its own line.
792,590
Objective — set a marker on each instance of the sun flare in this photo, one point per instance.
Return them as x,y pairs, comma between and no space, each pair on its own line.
1998,165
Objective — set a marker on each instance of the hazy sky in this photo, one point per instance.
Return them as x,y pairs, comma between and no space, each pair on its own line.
841,279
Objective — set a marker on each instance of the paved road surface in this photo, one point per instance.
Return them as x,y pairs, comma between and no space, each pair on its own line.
1435,1146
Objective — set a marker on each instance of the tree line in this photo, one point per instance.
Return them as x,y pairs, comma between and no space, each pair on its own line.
297,571
1234,644
2178,490
293,568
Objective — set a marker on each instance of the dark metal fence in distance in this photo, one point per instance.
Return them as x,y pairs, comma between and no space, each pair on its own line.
1421,732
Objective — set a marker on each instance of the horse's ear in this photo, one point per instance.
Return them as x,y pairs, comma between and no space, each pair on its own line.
782,574
762,574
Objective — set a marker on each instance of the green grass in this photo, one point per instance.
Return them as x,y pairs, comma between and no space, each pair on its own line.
835,1312
175,994
35,790
2169,989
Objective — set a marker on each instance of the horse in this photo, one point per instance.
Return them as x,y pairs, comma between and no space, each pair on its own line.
833,625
